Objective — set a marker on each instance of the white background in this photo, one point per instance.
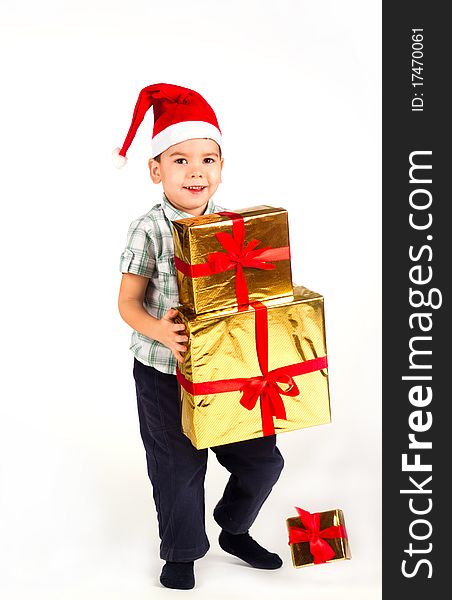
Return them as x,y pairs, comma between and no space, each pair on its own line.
296,88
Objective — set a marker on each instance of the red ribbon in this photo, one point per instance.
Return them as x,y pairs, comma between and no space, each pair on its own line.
264,387
237,256
319,548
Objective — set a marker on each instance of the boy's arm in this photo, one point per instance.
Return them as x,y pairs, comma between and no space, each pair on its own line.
164,330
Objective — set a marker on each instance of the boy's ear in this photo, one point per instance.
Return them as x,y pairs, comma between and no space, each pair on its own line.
221,166
154,170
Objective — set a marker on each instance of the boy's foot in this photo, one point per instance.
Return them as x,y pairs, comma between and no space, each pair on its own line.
178,575
243,546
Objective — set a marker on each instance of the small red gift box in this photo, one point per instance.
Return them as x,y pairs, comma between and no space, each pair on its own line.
316,538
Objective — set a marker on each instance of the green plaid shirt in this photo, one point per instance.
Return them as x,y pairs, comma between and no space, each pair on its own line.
149,251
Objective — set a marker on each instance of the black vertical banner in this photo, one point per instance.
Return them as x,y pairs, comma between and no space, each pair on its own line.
417,336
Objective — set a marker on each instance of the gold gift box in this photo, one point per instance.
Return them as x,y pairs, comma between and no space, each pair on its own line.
301,554
222,346
194,239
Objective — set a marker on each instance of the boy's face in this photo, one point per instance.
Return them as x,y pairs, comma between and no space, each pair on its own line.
190,173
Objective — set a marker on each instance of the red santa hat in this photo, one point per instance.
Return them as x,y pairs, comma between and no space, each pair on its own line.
179,114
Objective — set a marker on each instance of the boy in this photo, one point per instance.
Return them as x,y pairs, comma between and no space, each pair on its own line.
186,160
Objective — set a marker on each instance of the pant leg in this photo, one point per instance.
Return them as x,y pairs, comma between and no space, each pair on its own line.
255,466
176,469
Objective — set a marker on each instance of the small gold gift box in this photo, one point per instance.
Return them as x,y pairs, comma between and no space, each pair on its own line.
316,538
231,258
254,371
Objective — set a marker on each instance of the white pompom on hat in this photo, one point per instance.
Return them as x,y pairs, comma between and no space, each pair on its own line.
179,114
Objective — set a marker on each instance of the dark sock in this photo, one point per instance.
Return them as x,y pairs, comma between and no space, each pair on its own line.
243,546
178,575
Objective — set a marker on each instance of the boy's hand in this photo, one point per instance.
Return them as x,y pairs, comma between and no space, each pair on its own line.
170,334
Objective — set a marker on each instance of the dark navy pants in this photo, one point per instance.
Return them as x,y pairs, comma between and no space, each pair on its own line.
176,470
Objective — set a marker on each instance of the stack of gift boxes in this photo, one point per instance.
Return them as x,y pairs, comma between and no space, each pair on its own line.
256,359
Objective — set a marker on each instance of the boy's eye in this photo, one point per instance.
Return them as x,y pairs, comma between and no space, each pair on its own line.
183,161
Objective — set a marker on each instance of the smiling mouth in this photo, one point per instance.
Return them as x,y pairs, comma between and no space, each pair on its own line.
195,188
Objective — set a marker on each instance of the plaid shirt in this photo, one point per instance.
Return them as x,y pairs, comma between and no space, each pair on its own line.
149,251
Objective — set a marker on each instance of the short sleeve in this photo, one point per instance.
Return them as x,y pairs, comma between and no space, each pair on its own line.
138,256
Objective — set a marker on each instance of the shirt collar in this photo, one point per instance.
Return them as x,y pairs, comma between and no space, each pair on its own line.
173,214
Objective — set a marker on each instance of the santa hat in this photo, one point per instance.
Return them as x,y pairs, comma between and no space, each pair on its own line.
179,114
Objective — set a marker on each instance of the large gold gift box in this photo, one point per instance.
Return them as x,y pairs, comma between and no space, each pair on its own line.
234,380
331,531
232,258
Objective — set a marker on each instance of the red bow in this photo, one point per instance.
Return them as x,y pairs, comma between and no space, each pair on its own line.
319,548
266,386
238,255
